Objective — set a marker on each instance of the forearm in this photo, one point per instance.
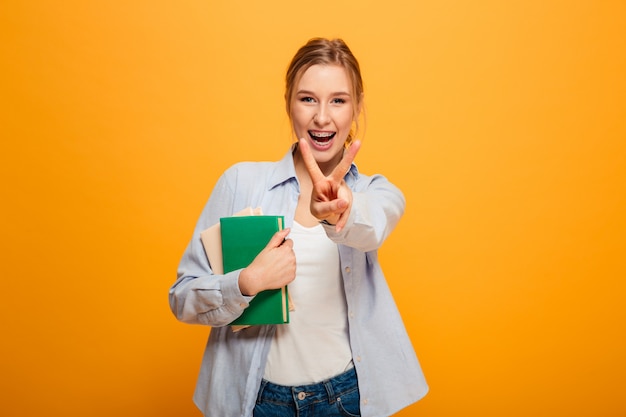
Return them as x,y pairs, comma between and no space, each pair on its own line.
213,300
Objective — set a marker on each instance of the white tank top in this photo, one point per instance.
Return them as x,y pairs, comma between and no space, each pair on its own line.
314,345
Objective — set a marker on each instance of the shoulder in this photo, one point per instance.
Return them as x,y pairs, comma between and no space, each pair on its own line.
249,170
271,173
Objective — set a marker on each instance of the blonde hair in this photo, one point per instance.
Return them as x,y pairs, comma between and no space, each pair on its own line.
321,51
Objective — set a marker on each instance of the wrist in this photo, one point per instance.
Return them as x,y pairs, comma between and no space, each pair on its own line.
246,283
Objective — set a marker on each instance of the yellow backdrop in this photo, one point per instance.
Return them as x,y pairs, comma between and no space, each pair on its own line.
502,121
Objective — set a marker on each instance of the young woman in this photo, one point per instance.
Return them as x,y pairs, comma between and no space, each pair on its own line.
345,351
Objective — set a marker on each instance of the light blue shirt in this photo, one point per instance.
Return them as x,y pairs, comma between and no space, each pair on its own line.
389,374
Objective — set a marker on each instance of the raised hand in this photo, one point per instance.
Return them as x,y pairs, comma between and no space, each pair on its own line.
331,198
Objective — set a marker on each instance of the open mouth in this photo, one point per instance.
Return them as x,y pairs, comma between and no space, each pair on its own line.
321,138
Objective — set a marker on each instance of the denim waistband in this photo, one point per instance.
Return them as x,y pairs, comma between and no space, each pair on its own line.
326,391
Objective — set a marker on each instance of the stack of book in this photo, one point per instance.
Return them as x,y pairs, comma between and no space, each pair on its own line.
232,244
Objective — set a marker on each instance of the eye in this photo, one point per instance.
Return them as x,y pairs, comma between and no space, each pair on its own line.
307,99
338,100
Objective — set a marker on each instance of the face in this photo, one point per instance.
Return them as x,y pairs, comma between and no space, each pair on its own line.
322,111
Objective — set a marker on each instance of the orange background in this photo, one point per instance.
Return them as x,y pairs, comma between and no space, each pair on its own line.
503,122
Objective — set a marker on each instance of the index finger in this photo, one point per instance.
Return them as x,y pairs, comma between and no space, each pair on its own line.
309,161
346,162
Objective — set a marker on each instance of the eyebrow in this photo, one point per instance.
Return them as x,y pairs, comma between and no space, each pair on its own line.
338,93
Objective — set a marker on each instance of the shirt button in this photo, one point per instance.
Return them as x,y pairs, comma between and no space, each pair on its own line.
348,269
358,359
301,396
242,305
365,401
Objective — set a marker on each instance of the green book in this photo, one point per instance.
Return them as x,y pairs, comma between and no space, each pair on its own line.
243,238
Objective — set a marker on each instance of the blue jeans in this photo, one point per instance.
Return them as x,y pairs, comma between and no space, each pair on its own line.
335,397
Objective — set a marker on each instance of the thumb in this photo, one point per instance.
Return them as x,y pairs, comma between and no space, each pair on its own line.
341,204
278,238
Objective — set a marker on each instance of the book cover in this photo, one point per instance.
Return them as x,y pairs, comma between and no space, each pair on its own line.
243,237
212,240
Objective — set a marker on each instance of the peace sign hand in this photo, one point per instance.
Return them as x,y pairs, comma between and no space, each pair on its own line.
331,198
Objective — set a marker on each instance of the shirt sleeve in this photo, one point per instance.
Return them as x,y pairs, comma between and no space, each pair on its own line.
199,296
377,206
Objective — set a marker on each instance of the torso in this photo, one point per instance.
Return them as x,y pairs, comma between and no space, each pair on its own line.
315,345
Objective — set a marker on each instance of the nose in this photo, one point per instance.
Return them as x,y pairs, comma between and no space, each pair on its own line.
322,117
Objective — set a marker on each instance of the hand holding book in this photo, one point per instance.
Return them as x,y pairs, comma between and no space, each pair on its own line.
273,268
257,245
